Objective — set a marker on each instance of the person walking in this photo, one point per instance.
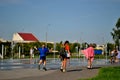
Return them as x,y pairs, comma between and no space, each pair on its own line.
63,57
113,55
118,56
89,54
31,53
67,50
42,51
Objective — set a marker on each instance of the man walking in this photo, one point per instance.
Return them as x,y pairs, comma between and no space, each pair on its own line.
42,51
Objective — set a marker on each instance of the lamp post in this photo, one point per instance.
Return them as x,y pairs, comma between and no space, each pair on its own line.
19,52
119,44
106,51
12,49
2,51
47,34
46,38
54,50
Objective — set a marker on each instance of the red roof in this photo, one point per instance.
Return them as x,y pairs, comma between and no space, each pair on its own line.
28,37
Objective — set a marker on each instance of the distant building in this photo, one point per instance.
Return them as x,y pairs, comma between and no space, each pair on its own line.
99,49
24,37
2,40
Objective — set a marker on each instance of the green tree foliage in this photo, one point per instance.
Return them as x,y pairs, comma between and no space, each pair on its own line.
116,33
24,48
110,46
7,49
74,47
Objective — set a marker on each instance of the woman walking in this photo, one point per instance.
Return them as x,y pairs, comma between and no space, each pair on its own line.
67,50
63,57
89,54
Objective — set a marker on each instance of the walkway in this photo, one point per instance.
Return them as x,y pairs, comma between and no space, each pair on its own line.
73,73
22,70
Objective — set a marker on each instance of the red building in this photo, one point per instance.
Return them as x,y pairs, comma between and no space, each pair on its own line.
24,37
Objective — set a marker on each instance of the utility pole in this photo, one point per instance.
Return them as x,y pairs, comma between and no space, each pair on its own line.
46,38
2,51
47,34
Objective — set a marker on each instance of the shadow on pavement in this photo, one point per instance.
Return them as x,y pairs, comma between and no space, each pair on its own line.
74,70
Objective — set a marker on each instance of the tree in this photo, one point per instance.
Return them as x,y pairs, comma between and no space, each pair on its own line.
116,33
110,46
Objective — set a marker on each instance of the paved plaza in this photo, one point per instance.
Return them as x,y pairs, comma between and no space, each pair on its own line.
24,69
10,64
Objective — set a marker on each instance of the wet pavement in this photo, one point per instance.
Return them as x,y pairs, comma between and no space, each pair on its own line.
52,63
24,69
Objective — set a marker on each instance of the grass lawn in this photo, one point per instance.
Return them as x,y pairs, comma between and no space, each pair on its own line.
107,73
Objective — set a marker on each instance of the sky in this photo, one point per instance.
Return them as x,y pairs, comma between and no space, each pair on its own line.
81,21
